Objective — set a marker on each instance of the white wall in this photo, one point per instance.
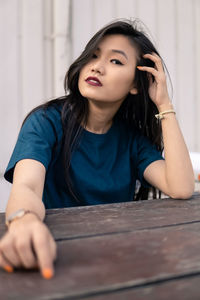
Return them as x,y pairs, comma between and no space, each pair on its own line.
175,28
35,53
39,39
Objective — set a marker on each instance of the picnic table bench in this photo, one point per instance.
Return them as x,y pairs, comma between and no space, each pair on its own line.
133,250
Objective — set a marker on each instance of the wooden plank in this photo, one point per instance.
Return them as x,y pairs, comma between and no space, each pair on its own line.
105,264
109,219
181,289
119,217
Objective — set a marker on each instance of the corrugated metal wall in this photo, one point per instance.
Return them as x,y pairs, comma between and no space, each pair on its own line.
40,38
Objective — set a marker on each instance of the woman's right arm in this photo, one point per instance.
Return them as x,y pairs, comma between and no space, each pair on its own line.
28,242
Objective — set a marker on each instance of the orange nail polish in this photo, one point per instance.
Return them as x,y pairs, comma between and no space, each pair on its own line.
139,67
8,269
47,273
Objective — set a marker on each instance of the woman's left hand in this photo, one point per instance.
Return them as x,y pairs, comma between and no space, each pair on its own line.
158,88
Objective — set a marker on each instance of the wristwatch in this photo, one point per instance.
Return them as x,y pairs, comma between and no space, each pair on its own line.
17,215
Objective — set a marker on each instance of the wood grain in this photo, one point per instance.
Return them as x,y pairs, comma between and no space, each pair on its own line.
138,250
122,217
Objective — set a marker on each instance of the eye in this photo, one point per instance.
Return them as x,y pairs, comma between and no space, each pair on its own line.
94,55
116,61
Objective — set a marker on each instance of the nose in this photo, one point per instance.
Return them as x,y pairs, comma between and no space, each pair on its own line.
98,67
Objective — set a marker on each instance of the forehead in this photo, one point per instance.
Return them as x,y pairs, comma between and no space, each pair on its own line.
119,42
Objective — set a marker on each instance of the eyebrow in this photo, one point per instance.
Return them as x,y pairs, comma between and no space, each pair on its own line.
121,52
116,51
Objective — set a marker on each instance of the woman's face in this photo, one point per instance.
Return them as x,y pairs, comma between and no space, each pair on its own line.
109,75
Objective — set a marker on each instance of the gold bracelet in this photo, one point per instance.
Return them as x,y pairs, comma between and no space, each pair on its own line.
160,116
19,214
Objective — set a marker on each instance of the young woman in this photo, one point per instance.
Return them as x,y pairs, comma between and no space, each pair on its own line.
90,146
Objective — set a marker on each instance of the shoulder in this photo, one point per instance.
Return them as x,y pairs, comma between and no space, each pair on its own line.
44,120
51,112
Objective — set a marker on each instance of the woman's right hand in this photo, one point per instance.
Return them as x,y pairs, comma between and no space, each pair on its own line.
28,244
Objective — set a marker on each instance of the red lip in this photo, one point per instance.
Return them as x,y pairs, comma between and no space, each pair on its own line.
93,81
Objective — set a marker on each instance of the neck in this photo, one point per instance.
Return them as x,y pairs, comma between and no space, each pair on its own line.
100,116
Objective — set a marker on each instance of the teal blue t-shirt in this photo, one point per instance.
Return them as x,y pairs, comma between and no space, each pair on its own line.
104,167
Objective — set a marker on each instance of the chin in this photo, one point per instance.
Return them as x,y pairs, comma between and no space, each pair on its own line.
89,96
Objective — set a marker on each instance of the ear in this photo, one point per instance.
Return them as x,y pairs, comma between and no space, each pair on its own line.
133,91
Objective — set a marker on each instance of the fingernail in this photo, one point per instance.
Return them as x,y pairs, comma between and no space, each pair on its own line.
139,67
47,273
8,269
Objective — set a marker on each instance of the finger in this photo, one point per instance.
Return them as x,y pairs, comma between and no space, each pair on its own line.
151,78
44,254
156,59
5,264
53,249
25,252
8,251
153,71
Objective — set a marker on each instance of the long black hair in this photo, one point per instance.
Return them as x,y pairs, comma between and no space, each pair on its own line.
136,110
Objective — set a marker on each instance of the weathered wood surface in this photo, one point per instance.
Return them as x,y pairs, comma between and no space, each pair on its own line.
120,217
180,289
145,250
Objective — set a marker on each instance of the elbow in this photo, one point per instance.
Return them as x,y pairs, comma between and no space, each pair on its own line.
183,193
181,196
182,189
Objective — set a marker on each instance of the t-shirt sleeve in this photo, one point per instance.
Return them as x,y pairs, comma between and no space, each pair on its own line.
146,154
35,141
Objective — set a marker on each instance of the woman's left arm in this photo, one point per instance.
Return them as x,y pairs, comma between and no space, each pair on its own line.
174,176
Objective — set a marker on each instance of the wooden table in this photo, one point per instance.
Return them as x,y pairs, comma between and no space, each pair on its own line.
134,250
